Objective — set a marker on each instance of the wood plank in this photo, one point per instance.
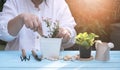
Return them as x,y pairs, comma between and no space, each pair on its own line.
11,59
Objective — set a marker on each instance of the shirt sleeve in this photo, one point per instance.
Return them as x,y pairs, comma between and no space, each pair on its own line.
7,14
67,21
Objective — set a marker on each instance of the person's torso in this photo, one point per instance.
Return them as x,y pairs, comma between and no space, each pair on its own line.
28,39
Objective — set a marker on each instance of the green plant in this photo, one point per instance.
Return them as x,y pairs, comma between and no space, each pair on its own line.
53,27
85,40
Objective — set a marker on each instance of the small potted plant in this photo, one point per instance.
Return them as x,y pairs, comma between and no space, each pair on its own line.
50,45
85,41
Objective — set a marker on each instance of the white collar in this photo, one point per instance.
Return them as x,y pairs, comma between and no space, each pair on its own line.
41,6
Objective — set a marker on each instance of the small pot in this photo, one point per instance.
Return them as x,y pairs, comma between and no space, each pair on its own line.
84,53
50,47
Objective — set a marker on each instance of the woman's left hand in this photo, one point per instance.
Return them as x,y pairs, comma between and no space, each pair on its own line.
65,34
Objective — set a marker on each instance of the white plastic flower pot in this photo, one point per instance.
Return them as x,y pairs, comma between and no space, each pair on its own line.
50,47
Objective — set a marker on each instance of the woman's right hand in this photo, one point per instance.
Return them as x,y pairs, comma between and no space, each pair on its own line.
31,21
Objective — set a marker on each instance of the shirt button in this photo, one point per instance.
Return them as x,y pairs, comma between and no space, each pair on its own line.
37,37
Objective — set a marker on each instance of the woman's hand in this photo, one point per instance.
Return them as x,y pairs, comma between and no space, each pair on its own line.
65,34
31,21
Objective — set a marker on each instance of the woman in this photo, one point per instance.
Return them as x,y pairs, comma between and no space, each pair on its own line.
21,20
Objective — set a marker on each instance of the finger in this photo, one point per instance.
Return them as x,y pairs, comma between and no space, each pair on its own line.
26,22
64,32
39,24
29,24
40,31
59,35
35,25
66,38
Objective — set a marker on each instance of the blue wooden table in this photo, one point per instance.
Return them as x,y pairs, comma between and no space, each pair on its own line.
10,60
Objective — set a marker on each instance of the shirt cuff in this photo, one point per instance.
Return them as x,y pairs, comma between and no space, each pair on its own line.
4,35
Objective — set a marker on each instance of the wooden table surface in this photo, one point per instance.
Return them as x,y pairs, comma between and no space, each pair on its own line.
10,60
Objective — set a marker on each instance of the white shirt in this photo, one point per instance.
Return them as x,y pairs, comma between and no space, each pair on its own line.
26,38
